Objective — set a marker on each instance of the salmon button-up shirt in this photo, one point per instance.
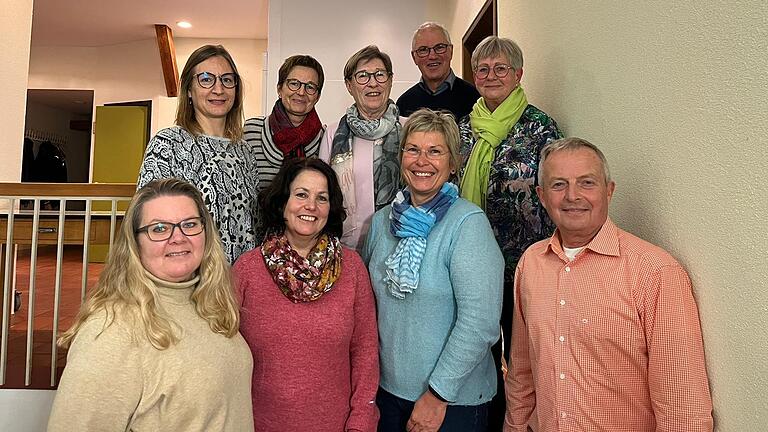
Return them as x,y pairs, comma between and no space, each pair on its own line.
610,341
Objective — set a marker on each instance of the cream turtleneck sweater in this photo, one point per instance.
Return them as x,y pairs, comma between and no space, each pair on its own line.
115,380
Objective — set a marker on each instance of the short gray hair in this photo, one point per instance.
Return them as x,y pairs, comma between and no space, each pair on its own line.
428,26
493,46
365,54
443,122
572,143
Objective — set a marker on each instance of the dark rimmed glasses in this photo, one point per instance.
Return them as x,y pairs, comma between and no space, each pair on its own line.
161,231
431,153
294,85
363,77
208,79
423,51
499,69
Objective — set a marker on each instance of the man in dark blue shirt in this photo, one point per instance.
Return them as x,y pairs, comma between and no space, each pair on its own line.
439,88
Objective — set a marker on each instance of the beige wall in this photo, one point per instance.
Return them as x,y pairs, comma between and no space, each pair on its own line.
675,94
336,29
16,25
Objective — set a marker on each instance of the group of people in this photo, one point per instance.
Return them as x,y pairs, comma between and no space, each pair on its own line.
374,274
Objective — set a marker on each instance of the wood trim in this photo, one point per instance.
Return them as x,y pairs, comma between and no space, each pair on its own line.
470,39
168,59
68,189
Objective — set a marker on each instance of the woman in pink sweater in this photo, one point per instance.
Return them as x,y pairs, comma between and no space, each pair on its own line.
307,310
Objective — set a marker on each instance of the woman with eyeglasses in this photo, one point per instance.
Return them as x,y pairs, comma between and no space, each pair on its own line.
437,275
206,147
363,146
293,129
500,144
156,346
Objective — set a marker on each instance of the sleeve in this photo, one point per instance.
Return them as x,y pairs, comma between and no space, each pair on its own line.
677,373
370,239
240,279
158,160
363,354
518,384
102,382
477,277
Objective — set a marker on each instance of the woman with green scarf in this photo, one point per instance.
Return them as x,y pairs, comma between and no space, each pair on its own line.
500,143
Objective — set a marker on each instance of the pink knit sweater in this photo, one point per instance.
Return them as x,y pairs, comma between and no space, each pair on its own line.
315,365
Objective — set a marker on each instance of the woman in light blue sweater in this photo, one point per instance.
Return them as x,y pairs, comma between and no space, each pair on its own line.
437,273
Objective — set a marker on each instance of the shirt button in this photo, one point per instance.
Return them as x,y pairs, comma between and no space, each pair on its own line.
562,376
584,320
562,302
567,269
562,338
563,414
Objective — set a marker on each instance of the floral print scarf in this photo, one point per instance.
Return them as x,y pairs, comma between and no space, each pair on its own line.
303,279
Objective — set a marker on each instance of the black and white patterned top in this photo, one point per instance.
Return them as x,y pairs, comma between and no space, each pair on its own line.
269,158
223,171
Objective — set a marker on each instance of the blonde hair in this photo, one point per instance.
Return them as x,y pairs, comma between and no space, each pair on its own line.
125,290
185,111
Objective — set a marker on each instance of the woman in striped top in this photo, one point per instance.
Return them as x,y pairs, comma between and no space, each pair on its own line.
293,129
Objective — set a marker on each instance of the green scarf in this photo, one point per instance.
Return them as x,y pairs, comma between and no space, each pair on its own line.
490,128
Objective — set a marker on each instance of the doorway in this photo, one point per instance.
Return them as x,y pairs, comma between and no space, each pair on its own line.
484,25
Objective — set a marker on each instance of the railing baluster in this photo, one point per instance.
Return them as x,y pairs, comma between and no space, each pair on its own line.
112,222
57,288
31,302
6,291
86,244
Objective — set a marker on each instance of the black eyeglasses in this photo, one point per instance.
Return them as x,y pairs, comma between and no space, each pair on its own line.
295,85
423,51
161,231
381,76
499,69
208,80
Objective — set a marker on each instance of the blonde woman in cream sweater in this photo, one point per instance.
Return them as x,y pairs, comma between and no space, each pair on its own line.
156,346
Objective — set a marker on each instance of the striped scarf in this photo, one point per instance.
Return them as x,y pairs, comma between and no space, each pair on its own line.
412,226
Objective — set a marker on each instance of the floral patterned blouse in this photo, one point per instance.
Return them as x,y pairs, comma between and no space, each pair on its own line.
517,217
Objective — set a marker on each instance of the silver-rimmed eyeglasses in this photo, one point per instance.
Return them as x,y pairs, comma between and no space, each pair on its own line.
208,79
423,51
362,77
432,153
161,231
499,69
294,85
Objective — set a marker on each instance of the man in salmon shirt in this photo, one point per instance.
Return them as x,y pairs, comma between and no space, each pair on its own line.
606,332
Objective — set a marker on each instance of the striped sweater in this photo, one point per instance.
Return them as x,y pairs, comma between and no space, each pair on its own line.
269,158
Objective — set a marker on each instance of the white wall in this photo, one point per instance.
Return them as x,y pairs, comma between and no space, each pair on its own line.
675,94
333,30
132,71
25,410
16,25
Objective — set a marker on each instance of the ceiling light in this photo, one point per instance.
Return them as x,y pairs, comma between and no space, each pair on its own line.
184,24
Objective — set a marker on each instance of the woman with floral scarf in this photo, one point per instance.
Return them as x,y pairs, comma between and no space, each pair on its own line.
307,310
437,273
293,129
363,146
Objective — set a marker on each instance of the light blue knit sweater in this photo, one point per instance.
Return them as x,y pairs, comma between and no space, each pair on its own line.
441,334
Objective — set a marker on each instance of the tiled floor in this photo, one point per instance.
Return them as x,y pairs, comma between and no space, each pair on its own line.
69,303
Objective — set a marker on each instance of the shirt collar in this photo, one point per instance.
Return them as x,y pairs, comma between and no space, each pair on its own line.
444,86
606,242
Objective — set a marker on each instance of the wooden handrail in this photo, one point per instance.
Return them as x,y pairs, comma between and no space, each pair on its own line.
68,189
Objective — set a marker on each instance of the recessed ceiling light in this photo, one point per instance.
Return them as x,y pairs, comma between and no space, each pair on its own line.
184,24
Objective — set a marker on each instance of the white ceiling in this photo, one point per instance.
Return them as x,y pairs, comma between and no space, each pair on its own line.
90,23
